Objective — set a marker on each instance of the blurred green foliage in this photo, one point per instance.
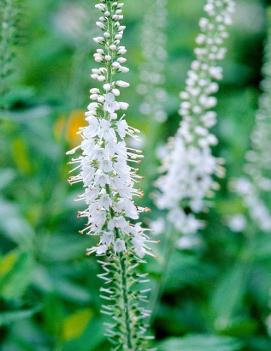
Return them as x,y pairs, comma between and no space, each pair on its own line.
216,297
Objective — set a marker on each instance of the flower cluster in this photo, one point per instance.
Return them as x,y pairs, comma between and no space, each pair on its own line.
105,164
188,166
255,186
107,169
152,74
258,211
10,16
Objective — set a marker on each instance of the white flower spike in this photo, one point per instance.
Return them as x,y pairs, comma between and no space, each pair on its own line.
188,165
107,177
105,165
255,186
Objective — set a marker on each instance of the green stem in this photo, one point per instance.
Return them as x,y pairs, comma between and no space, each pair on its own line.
169,247
125,314
126,304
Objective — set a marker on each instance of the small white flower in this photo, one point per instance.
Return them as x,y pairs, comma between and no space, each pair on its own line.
119,246
107,238
101,250
123,106
122,84
158,226
237,223
110,104
188,242
107,86
122,128
139,244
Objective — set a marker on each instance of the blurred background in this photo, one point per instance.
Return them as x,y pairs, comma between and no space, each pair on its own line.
217,296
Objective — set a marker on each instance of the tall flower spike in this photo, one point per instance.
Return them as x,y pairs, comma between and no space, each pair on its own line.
9,35
188,166
255,186
152,75
108,177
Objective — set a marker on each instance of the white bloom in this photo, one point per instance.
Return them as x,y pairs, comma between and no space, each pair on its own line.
104,163
188,165
123,105
188,242
122,128
122,84
119,246
258,210
158,226
237,223
72,20
110,104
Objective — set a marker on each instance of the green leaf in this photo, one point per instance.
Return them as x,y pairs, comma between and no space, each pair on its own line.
39,112
53,314
17,275
186,269
74,248
241,327
228,295
75,324
200,343
14,316
13,225
6,177
262,247
91,339
47,282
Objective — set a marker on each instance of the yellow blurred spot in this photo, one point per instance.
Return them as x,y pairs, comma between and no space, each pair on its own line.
75,325
7,263
34,214
20,155
59,127
75,121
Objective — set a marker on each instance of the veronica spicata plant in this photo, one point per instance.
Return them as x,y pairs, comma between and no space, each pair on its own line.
255,185
188,165
106,170
10,11
152,74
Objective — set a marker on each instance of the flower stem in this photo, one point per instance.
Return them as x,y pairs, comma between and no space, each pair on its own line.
122,284
169,246
126,304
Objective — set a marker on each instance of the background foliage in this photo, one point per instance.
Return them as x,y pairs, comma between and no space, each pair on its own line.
217,295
